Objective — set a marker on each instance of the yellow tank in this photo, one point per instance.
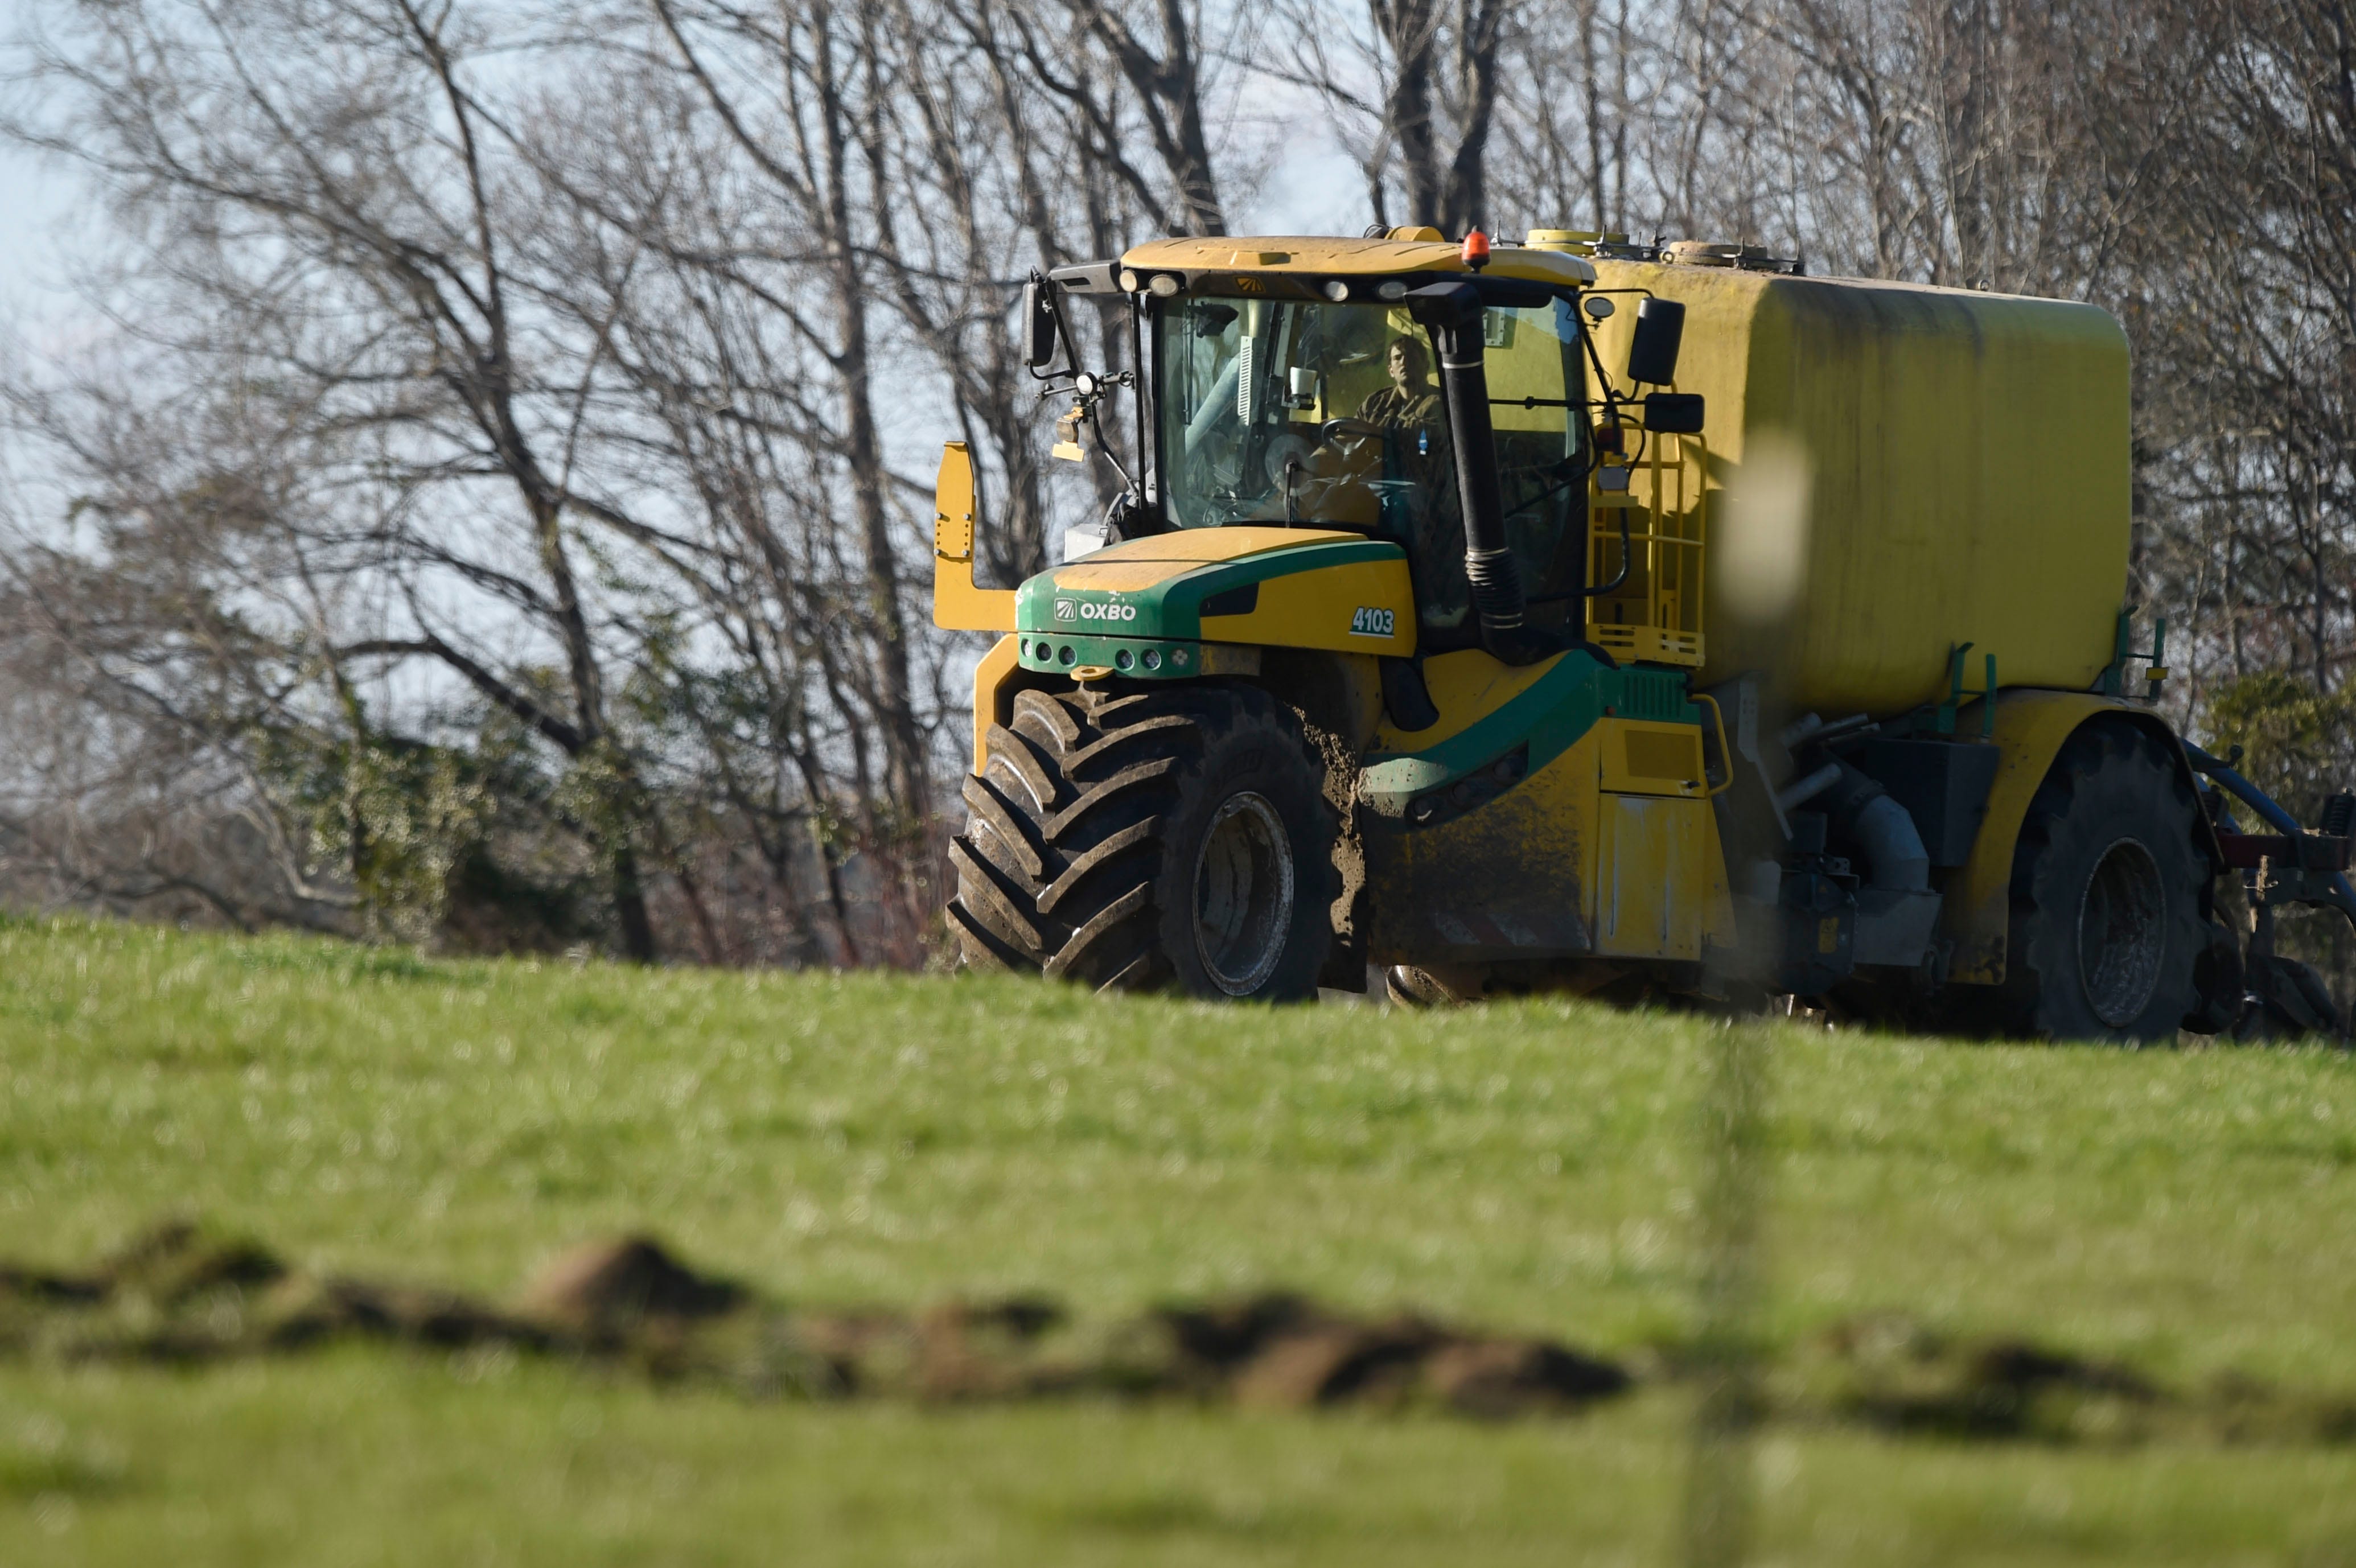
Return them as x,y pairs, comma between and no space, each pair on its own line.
1895,470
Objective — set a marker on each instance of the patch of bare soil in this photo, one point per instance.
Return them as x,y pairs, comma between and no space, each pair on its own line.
182,1293
1889,1371
1285,1351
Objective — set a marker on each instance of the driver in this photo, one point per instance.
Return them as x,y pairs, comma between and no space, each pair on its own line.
1409,399
1416,496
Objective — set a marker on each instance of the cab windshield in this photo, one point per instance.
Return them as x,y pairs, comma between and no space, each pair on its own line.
1330,415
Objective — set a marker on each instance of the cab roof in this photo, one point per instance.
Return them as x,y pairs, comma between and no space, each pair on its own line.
1328,256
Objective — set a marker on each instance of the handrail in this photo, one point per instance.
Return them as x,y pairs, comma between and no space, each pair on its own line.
1675,530
1725,755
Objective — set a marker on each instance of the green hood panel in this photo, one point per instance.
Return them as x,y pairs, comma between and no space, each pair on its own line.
1137,598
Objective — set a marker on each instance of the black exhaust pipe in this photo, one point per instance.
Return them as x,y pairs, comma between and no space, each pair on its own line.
1454,310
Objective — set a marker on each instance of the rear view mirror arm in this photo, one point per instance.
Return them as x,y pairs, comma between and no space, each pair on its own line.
1611,396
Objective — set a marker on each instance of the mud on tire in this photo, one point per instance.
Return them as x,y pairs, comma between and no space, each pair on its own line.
1173,837
2107,926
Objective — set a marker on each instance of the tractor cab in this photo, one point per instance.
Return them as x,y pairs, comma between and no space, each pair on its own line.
1328,413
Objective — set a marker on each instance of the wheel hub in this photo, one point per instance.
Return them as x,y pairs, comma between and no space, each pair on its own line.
1243,894
2121,933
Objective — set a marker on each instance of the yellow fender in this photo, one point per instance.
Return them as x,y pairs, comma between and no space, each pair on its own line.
994,695
2030,729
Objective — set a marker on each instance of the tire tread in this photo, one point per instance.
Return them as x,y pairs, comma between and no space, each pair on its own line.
1058,868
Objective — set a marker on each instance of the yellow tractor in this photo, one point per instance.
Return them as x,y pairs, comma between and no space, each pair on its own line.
1576,616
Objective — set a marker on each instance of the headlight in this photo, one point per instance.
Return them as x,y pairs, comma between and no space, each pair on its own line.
1162,285
1390,289
1128,281
1337,291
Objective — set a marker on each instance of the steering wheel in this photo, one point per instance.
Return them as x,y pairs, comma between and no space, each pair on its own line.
1350,429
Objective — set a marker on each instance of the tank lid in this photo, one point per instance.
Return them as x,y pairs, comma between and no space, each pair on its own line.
1605,244
1719,253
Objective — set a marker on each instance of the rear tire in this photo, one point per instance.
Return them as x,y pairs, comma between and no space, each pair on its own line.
2108,928
1176,837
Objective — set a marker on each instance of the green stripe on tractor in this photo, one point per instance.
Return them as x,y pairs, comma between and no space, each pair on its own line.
1550,715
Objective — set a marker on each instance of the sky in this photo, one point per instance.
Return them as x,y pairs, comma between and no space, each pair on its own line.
34,199
40,314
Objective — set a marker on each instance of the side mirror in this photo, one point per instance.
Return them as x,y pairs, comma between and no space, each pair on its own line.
1653,351
1039,336
1672,413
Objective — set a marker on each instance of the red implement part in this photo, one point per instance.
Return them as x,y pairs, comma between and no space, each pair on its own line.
2308,852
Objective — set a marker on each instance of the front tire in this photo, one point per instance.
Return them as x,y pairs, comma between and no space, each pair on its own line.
2108,928
1176,837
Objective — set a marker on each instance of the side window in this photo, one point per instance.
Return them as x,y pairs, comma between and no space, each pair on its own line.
1201,353
1534,379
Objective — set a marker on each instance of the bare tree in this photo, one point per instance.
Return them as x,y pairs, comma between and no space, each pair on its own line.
1162,67
1415,93
1573,116
343,221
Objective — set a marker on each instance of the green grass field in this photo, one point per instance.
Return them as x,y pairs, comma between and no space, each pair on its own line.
849,1139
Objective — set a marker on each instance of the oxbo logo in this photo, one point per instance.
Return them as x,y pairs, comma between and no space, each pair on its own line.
1078,609
1067,609
1368,622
